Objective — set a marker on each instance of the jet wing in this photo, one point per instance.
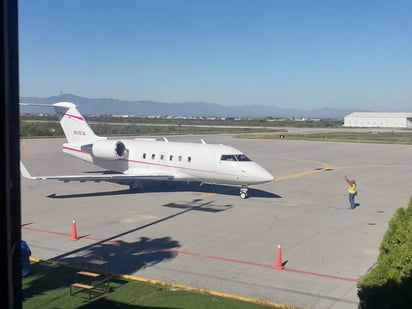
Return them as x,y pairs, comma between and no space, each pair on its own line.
116,177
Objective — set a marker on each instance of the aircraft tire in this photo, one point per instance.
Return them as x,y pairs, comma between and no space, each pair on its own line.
243,195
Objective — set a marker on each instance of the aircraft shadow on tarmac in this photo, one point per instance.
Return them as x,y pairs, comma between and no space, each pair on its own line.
119,256
129,257
170,187
208,206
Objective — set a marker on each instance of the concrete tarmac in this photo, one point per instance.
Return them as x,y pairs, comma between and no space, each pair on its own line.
209,238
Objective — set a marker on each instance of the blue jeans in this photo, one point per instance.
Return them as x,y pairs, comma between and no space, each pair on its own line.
352,200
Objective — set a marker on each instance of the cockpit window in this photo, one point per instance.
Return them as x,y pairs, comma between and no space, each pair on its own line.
237,157
228,158
242,157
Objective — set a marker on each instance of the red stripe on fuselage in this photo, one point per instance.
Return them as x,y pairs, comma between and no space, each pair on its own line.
157,164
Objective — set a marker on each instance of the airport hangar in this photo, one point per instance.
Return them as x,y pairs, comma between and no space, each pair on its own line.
378,120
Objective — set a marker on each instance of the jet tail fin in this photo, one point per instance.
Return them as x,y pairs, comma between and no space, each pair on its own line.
74,125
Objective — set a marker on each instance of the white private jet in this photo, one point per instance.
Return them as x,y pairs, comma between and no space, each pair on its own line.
130,161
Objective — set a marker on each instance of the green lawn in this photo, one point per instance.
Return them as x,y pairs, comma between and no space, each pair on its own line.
48,287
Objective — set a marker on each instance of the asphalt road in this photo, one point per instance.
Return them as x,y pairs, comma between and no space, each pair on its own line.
207,237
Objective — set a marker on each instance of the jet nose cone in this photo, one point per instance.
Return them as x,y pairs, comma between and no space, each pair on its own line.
263,175
253,173
267,177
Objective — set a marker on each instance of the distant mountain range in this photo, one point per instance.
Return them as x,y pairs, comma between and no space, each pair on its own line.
107,106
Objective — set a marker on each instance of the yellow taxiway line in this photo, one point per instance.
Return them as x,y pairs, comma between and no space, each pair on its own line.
323,165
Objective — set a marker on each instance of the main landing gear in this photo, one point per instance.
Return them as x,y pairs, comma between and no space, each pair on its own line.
244,192
135,186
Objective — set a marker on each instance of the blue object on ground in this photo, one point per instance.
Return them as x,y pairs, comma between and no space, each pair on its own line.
25,259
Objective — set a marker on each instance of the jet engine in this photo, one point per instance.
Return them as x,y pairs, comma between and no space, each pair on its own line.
109,150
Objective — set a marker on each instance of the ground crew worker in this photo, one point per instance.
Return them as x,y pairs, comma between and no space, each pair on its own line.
352,192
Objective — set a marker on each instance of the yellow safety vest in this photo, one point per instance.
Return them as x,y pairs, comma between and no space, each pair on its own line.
352,189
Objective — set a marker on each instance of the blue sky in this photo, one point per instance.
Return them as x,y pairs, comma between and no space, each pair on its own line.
299,54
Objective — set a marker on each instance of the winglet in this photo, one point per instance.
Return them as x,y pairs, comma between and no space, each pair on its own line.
24,172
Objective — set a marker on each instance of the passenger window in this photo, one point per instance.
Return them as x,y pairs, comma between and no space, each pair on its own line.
171,158
144,156
153,156
189,159
180,158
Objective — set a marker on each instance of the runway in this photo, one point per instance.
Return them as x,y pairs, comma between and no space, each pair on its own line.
207,237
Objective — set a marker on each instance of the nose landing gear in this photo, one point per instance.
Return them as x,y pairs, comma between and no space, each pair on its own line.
244,192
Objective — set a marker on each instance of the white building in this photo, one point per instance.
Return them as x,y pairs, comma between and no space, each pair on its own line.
378,120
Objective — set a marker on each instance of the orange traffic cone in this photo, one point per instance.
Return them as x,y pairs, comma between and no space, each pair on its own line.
73,235
278,261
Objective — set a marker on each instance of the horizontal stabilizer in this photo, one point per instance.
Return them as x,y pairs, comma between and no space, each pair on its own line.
36,104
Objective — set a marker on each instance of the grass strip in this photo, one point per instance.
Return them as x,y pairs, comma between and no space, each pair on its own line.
352,137
47,286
